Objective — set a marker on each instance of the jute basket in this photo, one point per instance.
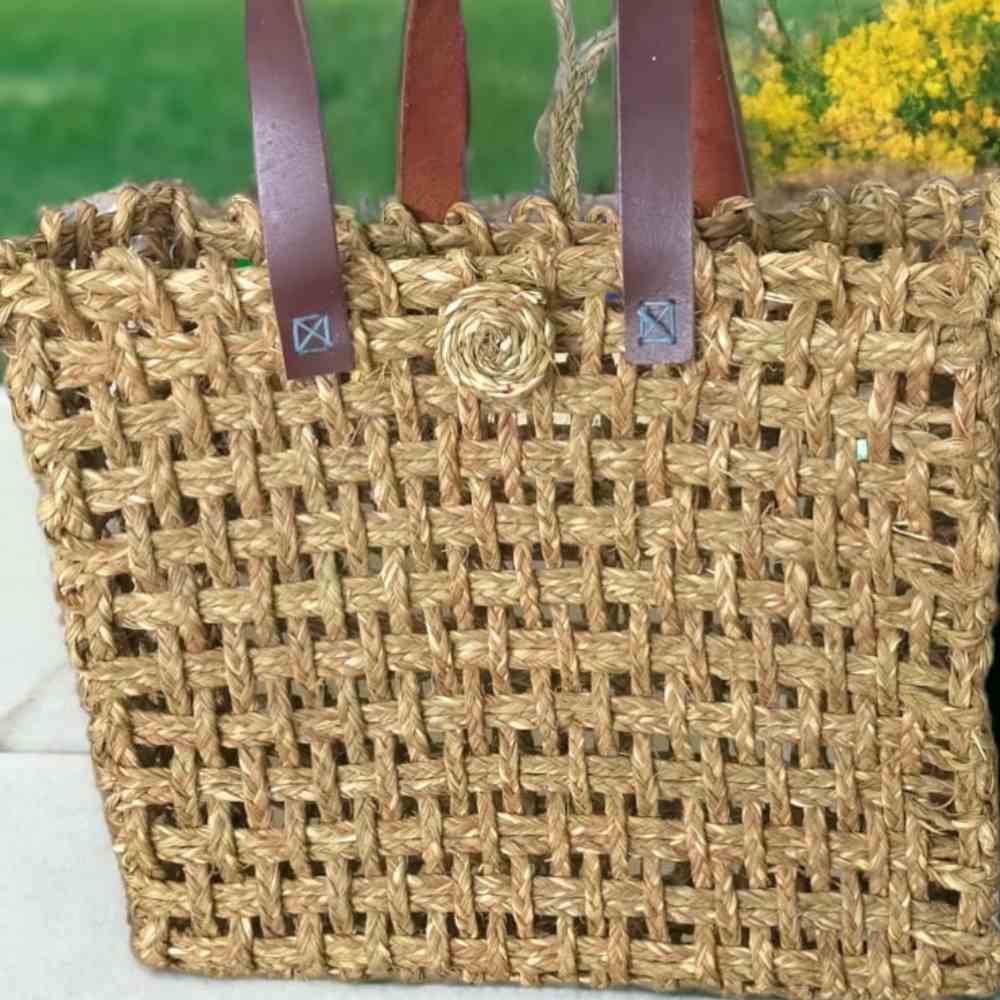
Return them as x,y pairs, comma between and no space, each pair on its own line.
506,659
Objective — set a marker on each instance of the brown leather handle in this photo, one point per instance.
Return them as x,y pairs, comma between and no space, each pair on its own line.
680,140
655,43
721,164
295,192
293,175
433,109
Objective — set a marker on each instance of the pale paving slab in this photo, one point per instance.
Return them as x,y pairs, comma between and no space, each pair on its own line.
39,708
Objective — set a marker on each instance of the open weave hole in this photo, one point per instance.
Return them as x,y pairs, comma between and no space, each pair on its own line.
665,676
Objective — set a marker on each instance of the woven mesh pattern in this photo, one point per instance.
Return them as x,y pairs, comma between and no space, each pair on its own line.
663,676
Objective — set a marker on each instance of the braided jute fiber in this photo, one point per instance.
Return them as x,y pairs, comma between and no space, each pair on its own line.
495,340
665,676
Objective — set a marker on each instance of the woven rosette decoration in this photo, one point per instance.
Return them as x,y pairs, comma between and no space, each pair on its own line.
496,341
502,658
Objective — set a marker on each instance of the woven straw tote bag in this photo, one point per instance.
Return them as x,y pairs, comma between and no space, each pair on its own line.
554,626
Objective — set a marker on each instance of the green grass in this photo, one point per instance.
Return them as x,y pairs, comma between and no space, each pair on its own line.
92,94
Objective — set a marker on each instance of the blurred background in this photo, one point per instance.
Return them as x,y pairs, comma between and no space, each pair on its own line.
94,94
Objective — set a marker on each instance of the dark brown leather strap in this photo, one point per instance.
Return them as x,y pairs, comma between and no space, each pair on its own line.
294,189
721,164
655,182
433,109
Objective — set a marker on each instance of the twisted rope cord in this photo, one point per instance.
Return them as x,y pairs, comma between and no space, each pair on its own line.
558,131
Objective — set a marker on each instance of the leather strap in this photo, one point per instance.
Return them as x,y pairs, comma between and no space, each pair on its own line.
294,189
433,109
721,163
294,180
655,178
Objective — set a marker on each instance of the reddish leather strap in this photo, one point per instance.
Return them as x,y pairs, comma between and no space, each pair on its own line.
433,109
294,189
721,164
655,178
294,180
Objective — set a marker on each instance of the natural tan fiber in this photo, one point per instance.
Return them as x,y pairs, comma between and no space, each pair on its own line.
558,130
496,341
665,676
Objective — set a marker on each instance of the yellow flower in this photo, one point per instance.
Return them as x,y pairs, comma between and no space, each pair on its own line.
787,136
903,88
923,58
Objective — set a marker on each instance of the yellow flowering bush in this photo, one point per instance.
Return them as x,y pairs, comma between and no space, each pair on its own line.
920,85
783,129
